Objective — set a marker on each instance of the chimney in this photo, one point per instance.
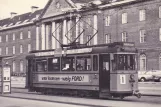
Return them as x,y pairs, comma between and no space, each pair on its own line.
34,8
13,14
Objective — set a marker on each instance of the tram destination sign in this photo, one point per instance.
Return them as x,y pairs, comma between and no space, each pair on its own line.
129,44
72,51
70,78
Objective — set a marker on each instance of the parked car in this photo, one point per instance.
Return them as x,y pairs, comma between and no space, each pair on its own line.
157,76
150,75
145,76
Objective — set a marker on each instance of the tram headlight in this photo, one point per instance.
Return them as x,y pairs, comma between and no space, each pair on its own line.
132,76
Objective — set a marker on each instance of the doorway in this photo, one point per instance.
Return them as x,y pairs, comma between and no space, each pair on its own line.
104,69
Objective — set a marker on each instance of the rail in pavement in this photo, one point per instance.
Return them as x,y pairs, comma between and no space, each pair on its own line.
146,88
81,101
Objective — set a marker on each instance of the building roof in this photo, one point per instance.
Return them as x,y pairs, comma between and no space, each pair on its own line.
75,3
19,20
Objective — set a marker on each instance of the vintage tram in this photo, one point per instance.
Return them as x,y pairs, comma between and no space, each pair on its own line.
105,70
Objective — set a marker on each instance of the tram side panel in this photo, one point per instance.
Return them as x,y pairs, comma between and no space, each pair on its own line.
75,81
124,83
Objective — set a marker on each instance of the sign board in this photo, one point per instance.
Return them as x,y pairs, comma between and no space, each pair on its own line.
5,79
6,73
72,51
70,78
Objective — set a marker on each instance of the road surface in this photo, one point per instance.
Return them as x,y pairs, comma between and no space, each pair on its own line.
145,101
12,102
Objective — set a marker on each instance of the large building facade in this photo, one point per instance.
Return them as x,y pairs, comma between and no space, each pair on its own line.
88,22
17,38
106,21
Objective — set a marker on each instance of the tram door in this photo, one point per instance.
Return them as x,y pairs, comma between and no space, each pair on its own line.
104,68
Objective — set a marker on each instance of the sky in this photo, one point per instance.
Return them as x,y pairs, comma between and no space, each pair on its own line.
19,6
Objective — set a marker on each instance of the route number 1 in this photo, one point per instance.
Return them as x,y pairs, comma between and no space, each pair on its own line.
122,79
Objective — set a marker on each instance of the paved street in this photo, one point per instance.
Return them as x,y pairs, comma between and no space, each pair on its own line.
145,101
150,88
146,88
12,102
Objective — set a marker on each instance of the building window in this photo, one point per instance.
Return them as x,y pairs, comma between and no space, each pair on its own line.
0,51
21,49
142,15
13,49
107,38
0,38
142,36
29,47
143,62
88,38
21,35
160,62
6,38
124,37
160,34
21,66
107,21
6,50
29,34
159,11
13,66
13,36
124,18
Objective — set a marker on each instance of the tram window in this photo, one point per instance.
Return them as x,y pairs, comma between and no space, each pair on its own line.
114,63
83,63
68,64
126,62
54,64
95,62
41,65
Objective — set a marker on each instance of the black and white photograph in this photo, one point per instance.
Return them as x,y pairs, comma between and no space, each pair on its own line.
80,53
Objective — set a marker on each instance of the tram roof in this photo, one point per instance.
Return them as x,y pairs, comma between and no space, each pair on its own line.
101,48
109,45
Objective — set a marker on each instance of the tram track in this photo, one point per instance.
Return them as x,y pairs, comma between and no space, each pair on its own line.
80,101
56,95
41,97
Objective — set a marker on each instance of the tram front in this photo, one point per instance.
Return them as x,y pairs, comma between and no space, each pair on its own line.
124,75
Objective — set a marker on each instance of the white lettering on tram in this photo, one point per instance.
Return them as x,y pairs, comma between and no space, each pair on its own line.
44,53
73,51
129,44
122,79
63,78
